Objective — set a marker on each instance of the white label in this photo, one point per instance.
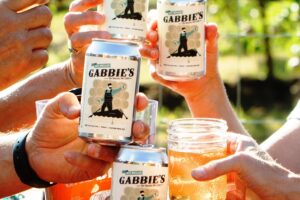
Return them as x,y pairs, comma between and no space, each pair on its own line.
108,95
136,182
126,17
181,37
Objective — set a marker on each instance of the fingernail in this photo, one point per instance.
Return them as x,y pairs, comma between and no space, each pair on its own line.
74,109
198,173
140,127
94,150
154,54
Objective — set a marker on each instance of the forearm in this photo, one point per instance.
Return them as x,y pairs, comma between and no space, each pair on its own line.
214,103
291,187
9,181
284,146
17,103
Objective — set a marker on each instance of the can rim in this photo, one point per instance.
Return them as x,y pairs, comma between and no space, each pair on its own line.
115,41
143,147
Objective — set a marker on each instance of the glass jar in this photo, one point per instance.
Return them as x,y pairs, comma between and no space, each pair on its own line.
193,143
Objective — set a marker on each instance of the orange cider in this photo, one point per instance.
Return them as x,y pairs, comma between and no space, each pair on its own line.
181,183
193,143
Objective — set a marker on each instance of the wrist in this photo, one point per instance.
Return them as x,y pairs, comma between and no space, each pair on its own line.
24,170
206,103
69,75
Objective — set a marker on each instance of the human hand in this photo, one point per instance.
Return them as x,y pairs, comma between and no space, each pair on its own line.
55,151
257,170
80,16
189,89
24,38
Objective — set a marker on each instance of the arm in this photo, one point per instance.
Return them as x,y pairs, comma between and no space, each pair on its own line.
284,145
205,97
258,172
54,148
14,185
17,103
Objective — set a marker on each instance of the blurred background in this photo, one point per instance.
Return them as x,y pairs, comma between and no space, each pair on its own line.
259,62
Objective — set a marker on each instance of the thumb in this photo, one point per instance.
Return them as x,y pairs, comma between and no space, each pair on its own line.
65,104
219,167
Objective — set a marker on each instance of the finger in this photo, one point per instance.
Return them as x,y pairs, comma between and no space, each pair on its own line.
152,36
73,21
40,16
40,38
65,104
39,58
149,52
140,131
217,168
104,153
141,101
20,5
211,32
83,5
87,163
80,40
153,25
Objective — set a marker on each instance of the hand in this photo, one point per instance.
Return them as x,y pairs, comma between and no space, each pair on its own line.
190,89
24,38
78,17
56,152
255,168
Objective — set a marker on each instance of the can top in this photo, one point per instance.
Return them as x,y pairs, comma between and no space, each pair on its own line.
175,2
142,155
115,41
149,148
114,48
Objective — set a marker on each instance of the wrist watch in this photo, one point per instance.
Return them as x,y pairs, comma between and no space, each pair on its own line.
22,166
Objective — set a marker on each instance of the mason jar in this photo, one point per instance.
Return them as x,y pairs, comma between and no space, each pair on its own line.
193,143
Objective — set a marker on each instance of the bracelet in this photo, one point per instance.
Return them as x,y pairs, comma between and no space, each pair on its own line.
22,166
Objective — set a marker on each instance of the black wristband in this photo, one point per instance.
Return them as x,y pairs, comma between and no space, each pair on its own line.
22,167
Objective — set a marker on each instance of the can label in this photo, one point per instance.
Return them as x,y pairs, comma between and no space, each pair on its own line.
139,182
126,17
108,97
182,37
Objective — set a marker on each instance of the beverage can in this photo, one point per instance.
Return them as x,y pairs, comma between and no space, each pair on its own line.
140,172
110,84
181,30
126,19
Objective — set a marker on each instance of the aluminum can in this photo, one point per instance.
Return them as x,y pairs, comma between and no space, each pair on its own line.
110,84
181,29
126,19
140,172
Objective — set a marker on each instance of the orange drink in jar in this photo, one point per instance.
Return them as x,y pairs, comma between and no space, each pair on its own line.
193,143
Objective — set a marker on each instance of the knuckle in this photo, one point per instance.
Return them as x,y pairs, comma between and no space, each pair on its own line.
215,167
67,18
21,38
45,12
47,34
242,157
